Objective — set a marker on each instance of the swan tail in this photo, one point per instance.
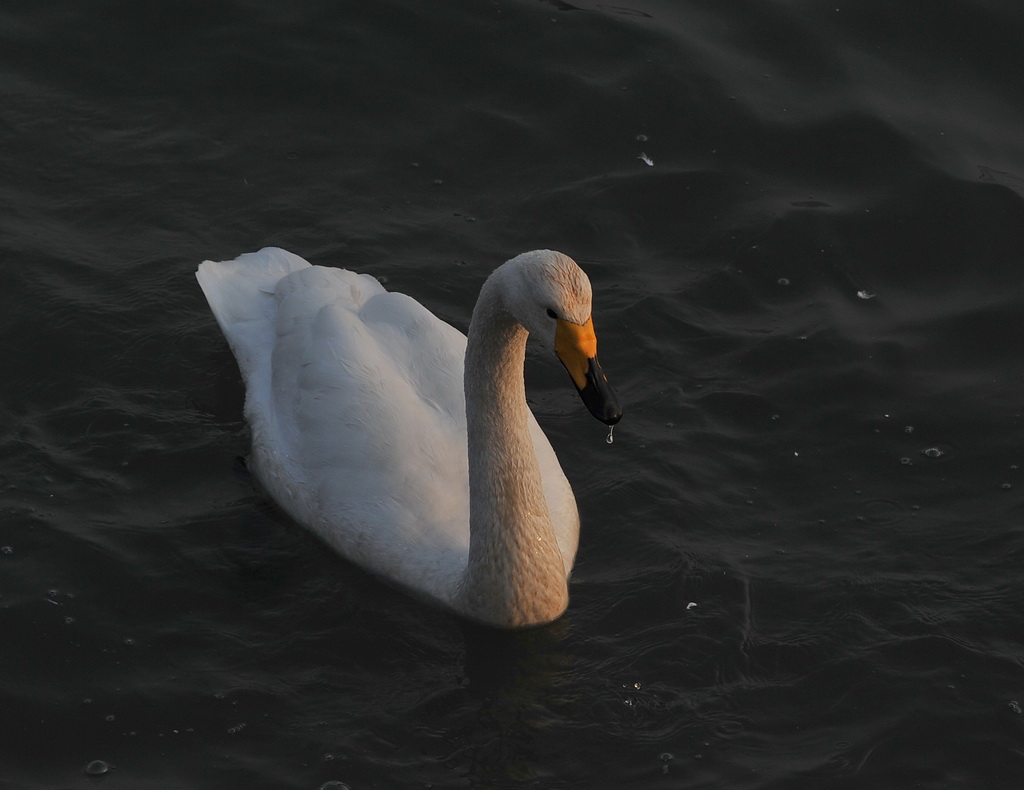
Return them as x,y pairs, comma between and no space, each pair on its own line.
242,290
241,295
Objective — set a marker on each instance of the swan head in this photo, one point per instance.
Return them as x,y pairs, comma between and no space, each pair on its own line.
550,295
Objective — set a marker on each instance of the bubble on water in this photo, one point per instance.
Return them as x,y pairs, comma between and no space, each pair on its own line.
237,728
1015,706
908,429
97,768
783,281
334,784
865,295
933,452
6,550
1006,486
906,461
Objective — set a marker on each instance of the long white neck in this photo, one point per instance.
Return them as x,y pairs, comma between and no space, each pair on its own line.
515,574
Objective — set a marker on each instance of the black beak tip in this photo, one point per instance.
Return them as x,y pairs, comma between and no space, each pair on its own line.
598,396
601,403
611,419
607,409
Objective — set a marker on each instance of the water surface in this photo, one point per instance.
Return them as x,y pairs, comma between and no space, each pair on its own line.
800,560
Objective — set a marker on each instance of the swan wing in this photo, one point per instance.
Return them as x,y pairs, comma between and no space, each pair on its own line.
355,400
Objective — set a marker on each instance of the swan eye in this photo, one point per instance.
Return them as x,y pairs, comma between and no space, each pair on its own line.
551,313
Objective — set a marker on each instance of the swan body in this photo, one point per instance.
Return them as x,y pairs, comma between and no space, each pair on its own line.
406,448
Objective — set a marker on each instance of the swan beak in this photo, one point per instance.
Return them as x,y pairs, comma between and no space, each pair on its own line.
576,347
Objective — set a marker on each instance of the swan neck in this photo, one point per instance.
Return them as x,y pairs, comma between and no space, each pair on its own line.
515,573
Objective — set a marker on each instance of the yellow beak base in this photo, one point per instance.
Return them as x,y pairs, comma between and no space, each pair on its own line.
575,346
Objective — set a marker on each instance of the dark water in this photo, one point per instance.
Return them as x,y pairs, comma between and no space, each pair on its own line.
802,557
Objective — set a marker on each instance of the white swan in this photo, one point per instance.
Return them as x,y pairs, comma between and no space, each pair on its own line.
406,448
